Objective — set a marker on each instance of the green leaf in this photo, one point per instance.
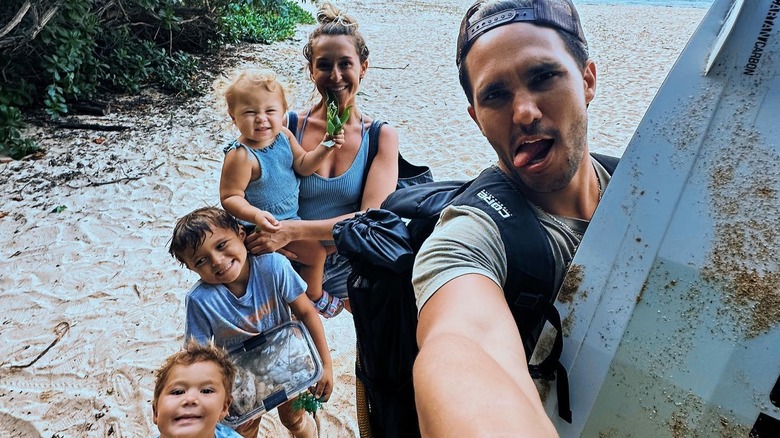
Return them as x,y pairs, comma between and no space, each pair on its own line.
331,128
345,115
306,401
59,209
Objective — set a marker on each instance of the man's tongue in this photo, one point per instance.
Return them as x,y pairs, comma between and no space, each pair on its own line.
531,152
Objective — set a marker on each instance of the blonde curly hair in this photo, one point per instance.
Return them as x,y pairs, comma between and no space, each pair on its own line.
245,79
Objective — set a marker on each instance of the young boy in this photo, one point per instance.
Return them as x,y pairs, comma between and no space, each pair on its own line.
192,393
240,296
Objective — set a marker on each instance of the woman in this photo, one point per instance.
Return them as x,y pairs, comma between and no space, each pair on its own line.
337,59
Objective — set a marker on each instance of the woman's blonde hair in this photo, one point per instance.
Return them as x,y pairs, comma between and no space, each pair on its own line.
334,22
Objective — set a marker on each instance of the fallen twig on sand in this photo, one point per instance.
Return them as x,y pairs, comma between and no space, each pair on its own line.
118,180
92,126
60,330
391,68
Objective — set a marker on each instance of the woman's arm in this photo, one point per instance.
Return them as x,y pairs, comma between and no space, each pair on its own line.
383,173
291,230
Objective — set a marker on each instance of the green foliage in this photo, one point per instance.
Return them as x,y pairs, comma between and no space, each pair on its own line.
67,56
335,121
299,15
90,47
11,141
174,72
262,21
131,62
307,401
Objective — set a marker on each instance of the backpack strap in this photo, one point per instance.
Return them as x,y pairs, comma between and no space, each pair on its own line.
529,288
373,149
527,297
373,144
550,367
292,123
609,162
493,193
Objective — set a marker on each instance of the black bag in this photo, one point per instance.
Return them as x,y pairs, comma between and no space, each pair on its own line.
385,317
381,251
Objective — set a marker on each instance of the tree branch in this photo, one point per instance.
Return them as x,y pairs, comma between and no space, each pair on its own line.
92,126
46,17
38,25
16,20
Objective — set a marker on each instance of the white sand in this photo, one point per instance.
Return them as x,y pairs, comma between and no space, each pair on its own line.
97,274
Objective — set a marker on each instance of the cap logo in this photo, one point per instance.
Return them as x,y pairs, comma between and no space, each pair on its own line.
495,20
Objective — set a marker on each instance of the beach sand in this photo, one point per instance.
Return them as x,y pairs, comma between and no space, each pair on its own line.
91,301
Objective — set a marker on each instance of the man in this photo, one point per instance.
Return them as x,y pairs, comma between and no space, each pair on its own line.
524,67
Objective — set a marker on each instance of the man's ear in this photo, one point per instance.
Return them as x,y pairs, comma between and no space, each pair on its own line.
589,81
473,116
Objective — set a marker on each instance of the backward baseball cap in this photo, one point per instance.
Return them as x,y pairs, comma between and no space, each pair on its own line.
558,14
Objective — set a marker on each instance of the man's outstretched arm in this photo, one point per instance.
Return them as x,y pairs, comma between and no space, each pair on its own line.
470,376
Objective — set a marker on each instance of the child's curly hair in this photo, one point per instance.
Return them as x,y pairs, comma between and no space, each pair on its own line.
243,79
190,230
192,353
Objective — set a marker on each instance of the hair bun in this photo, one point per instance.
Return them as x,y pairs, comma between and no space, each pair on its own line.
330,14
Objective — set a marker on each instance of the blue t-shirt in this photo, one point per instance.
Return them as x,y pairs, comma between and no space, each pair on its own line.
223,431
214,312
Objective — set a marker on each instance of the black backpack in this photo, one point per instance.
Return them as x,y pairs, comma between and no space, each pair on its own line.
381,249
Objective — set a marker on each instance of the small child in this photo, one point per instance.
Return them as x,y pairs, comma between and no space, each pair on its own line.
240,296
258,185
192,393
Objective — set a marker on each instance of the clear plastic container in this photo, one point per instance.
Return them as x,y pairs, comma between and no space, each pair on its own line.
272,368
